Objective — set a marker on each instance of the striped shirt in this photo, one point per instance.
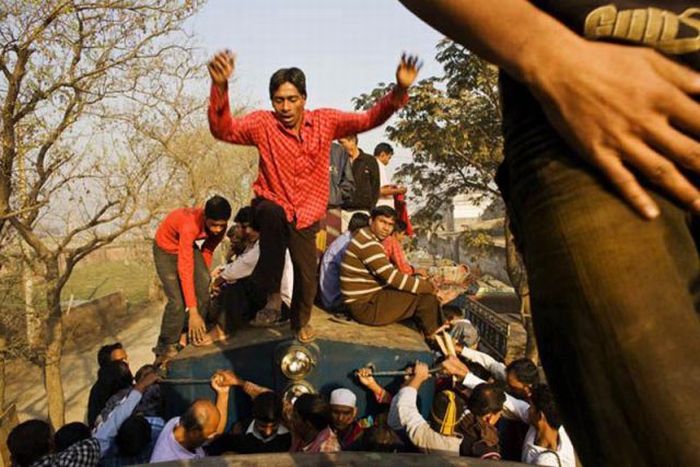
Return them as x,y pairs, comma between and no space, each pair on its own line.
366,270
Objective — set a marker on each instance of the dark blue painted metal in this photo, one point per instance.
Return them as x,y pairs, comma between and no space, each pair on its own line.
335,366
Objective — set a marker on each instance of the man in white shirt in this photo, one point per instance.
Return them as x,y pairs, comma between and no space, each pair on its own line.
384,152
541,446
238,298
455,429
182,437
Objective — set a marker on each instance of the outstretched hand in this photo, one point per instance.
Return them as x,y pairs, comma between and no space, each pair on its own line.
626,109
408,69
221,68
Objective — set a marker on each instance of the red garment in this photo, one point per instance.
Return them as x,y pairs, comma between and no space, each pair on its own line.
176,235
402,212
394,251
293,171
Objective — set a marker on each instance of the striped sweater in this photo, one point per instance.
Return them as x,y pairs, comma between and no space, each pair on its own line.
366,270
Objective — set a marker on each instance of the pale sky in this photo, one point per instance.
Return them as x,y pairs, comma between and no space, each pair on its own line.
345,48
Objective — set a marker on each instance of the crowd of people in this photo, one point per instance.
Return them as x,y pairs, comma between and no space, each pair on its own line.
587,123
481,408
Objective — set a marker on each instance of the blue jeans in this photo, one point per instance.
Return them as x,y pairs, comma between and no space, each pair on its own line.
615,308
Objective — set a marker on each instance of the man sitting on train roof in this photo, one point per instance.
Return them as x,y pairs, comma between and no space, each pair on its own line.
238,297
375,291
329,271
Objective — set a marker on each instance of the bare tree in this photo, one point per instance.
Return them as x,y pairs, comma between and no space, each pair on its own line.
71,74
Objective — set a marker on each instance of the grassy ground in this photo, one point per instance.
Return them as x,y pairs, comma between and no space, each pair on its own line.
95,279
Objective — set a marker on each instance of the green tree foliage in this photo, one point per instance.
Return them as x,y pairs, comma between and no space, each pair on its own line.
452,126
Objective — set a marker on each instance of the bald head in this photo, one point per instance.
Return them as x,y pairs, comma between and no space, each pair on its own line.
199,423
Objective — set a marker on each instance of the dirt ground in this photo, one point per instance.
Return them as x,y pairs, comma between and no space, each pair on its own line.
25,385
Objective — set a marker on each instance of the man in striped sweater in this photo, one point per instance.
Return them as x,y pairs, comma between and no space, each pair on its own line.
375,291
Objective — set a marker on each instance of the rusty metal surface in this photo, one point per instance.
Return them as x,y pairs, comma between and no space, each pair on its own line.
359,459
399,335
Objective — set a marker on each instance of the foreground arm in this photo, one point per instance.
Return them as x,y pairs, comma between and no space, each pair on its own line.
222,391
496,368
404,415
614,118
221,124
348,123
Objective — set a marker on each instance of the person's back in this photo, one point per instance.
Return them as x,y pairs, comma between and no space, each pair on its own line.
329,272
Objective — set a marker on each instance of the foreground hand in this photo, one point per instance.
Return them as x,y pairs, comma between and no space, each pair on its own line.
197,330
420,375
453,366
364,375
149,378
221,68
626,108
408,69
217,384
229,378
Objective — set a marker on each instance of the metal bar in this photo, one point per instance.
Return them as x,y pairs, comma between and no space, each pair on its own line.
184,381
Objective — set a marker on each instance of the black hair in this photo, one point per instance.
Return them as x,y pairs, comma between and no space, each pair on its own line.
291,75
525,370
28,442
70,434
400,226
217,208
351,137
385,211
383,147
111,378
543,401
452,311
134,436
104,355
381,438
486,398
267,408
358,221
314,410
244,215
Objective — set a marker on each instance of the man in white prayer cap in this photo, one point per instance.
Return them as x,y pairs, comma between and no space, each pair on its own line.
345,424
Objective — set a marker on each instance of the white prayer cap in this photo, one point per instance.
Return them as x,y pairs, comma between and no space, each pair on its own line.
342,396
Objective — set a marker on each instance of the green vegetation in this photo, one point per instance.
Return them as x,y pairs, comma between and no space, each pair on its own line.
97,278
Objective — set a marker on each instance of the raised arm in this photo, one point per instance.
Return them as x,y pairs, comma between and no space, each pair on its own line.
221,124
404,415
620,107
222,393
348,123
496,368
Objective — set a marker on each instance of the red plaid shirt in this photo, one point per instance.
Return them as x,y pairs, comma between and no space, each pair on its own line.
394,251
293,171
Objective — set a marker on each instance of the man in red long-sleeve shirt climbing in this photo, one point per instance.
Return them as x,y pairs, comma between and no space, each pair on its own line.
292,187
183,268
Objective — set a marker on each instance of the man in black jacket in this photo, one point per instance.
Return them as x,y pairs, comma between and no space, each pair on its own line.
365,172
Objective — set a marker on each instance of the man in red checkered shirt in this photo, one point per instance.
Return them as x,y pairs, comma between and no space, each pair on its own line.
292,184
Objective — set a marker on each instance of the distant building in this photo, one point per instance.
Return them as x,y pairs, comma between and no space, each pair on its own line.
462,211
